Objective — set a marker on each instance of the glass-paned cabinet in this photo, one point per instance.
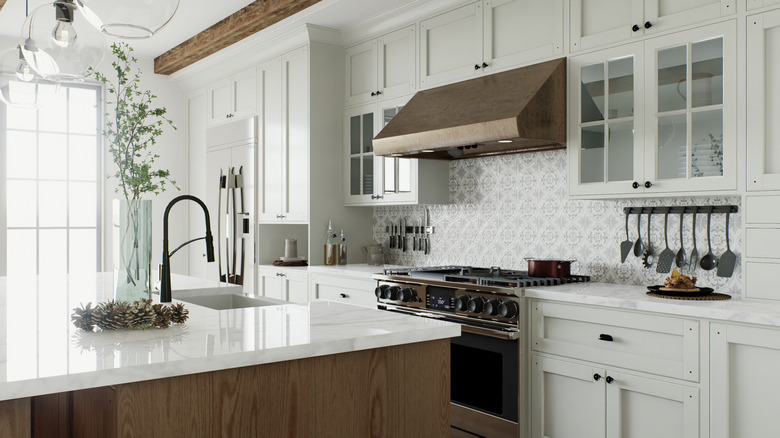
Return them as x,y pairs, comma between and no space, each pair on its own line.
374,180
655,117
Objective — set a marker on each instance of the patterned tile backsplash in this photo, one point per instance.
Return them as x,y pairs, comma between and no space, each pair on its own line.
506,208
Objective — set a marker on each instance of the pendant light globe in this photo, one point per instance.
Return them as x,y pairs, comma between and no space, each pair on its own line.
20,86
60,44
129,19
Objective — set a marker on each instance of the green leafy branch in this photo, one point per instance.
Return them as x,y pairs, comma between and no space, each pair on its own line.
134,128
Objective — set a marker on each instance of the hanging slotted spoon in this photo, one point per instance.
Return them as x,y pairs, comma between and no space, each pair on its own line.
679,260
709,261
728,259
625,246
638,247
694,261
666,258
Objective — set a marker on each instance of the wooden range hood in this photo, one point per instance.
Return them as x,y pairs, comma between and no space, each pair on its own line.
521,110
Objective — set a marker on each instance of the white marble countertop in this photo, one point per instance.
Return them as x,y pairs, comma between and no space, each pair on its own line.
623,296
41,352
353,270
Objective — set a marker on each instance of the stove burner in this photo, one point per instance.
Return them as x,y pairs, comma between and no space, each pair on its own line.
493,276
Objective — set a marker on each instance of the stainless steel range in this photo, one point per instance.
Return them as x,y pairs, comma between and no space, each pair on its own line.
488,381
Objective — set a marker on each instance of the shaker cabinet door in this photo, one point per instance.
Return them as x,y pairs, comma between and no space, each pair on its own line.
596,23
270,149
361,69
397,62
451,46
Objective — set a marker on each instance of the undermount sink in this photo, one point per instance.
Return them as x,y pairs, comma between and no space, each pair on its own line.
227,301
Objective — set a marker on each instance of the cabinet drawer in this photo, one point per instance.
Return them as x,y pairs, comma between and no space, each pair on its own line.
762,210
762,243
359,292
660,345
761,280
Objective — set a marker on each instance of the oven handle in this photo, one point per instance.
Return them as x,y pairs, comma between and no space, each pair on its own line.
490,333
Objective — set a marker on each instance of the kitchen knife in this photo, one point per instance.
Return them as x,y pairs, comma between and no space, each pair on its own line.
427,234
403,235
392,235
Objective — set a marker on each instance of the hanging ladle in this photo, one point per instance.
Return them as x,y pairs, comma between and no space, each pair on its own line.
709,261
638,245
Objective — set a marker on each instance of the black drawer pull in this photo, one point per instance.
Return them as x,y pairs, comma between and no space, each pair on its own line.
596,377
343,295
609,379
603,337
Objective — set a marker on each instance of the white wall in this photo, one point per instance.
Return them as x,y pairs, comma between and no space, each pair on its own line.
171,147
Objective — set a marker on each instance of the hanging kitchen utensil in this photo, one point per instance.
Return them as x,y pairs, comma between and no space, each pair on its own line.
625,246
728,259
694,261
648,258
666,258
679,260
638,247
709,261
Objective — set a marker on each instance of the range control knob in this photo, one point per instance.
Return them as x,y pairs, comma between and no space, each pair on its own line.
462,303
407,294
491,307
507,309
380,290
476,304
391,293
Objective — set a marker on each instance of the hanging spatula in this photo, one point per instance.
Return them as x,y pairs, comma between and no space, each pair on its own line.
728,259
666,258
625,246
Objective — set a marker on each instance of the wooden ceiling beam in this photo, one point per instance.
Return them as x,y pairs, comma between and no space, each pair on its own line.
251,19
2,3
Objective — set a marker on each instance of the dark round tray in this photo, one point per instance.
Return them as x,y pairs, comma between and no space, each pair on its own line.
703,291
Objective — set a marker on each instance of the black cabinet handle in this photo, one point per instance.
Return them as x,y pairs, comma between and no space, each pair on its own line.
609,379
596,377
648,184
378,93
477,67
373,94
343,295
635,185
484,64
635,28
648,25
603,337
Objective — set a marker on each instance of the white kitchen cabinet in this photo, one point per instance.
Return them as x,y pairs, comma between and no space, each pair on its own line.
596,23
381,68
577,400
372,180
288,284
283,155
233,97
744,381
488,36
657,117
763,102
346,289
753,4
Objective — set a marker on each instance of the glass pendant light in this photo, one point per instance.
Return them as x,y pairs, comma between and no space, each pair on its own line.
60,44
129,19
20,86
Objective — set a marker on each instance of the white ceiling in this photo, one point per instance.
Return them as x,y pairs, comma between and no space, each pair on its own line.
194,16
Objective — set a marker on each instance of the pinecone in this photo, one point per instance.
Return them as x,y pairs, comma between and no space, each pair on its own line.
140,315
111,315
163,315
179,313
83,317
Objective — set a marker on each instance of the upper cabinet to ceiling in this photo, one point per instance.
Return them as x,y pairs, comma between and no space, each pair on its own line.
233,97
488,36
657,117
596,23
381,68
763,101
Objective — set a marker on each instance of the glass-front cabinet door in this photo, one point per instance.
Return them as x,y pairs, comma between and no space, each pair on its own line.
360,168
605,139
690,129
397,172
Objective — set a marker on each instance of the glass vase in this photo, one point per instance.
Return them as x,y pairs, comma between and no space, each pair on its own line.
132,229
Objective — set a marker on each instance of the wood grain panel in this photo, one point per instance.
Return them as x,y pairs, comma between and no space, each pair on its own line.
251,19
94,412
51,415
15,418
427,386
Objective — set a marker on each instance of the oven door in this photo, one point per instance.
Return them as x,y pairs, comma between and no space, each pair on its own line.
485,384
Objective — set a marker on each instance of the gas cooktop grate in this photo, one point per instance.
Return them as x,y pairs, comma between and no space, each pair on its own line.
493,276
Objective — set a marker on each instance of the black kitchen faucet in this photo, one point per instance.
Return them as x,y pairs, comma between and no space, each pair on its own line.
165,281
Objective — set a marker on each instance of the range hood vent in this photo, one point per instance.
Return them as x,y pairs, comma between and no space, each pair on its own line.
521,110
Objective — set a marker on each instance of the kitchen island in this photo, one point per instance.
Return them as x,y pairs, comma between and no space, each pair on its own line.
321,368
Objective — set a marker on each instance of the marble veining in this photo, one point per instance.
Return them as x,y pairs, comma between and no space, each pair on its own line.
506,208
41,352
630,297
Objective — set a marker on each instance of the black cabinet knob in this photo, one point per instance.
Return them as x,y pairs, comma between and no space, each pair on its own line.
477,67
596,377
373,93
648,25
343,295
648,184
484,64
603,337
635,185
609,379
378,93
635,28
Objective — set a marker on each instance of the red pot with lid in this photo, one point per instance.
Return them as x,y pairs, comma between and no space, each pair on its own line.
549,268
